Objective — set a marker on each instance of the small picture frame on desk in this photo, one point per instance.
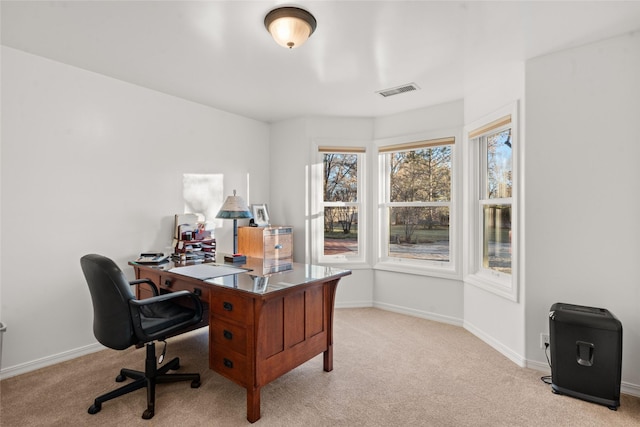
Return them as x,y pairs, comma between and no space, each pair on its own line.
260,215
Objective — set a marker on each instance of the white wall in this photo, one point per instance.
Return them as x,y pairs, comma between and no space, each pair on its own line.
583,186
424,296
428,297
440,117
495,319
93,164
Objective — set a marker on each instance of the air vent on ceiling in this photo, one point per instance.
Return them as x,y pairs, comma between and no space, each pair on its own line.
398,90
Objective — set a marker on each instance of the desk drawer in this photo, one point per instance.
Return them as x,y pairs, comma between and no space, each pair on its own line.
278,246
231,307
229,336
173,284
230,364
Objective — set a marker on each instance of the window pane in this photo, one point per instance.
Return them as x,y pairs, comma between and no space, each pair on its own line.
499,168
341,230
422,175
419,233
496,252
340,177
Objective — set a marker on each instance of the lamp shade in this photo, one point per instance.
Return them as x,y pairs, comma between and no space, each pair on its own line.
234,208
290,26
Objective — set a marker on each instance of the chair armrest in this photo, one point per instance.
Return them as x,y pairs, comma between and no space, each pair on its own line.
167,297
152,285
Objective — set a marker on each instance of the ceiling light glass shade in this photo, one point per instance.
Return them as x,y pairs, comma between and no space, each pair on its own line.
290,26
234,208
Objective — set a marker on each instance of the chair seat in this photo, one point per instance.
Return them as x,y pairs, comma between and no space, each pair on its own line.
163,315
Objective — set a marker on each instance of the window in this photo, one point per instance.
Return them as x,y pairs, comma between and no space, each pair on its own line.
496,173
341,214
492,250
416,202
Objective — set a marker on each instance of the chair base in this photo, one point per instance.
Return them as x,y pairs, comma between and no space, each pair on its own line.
148,379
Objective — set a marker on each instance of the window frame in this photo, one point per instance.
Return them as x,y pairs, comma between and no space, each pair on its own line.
499,283
446,269
320,148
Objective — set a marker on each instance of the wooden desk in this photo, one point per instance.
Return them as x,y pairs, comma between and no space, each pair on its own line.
261,324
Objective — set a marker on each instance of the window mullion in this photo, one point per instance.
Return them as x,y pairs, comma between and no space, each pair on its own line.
501,201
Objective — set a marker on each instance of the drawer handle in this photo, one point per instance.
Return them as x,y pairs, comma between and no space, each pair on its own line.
227,306
278,246
227,334
228,363
167,283
197,292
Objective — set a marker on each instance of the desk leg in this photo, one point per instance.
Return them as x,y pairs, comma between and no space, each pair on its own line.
330,297
328,359
253,404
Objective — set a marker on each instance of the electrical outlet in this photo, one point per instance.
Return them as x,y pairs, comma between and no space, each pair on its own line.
544,340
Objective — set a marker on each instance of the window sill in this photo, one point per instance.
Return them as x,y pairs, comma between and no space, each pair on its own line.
344,263
408,267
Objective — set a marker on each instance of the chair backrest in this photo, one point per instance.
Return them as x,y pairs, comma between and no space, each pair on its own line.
110,295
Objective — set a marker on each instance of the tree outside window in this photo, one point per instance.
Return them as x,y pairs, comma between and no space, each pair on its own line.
340,203
496,199
417,202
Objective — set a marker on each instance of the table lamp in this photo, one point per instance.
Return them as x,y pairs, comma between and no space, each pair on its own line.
235,208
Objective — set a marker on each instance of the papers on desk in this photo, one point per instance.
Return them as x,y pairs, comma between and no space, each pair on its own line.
207,271
152,258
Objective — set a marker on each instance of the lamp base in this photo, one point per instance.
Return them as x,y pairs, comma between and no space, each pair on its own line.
235,258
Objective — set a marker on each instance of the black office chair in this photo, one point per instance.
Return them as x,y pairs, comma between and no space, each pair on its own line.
120,321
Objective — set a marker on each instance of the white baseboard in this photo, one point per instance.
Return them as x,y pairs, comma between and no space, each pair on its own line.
630,389
539,366
497,345
419,313
354,304
23,368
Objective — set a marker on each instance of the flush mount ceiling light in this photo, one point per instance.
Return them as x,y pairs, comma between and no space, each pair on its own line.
290,26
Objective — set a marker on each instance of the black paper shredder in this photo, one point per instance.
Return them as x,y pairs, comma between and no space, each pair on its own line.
586,353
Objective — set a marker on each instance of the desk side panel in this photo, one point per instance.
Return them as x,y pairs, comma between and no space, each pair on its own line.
291,330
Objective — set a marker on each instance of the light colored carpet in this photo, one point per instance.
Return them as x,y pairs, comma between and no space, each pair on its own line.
389,370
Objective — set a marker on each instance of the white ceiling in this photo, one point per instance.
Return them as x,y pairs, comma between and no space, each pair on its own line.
218,53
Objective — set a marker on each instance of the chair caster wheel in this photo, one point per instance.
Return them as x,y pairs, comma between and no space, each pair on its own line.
95,408
195,383
120,378
147,414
